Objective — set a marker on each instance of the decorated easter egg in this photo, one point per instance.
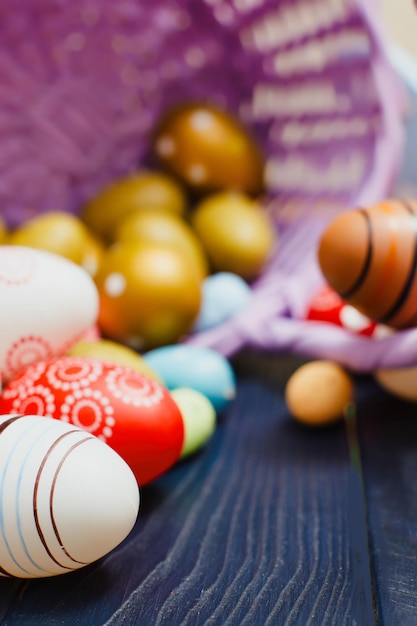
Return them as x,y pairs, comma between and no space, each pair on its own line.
132,413
369,257
47,304
66,498
223,295
195,367
318,393
199,418
328,306
114,352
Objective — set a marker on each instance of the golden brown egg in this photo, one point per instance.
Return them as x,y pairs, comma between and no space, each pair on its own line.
369,256
208,149
57,232
166,229
236,233
318,393
3,231
149,294
144,190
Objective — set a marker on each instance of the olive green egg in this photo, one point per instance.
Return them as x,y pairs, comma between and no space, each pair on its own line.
142,190
57,232
236,232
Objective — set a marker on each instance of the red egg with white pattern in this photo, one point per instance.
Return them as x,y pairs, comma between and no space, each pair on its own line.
126,409
328,306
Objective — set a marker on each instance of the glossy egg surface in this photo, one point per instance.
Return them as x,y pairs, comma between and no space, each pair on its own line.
132,413
66,499
150,295
198,368
143,190
47,304
208,149
369,256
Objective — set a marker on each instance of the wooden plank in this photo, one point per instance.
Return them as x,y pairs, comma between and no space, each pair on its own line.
254,530
388,435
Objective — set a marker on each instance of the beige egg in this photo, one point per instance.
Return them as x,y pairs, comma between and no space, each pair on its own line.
318,393
401,382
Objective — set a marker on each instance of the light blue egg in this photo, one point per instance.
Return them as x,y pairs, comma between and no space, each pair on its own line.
202,369
223,295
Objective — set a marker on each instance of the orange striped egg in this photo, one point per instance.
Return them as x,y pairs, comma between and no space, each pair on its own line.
369,257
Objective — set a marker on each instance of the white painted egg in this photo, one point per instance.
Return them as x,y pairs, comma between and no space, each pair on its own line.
47,304
66,498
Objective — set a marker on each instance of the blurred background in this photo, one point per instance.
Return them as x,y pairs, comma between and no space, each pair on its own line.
401,23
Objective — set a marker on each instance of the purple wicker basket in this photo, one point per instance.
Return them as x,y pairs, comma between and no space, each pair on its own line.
83,82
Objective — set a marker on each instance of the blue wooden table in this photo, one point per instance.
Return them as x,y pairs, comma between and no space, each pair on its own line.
270,524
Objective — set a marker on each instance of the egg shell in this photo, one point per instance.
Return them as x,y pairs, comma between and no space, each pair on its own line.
328,306
199,418
47,304
400,382
369,257
66,498
198,368
134,414
223,295
317,393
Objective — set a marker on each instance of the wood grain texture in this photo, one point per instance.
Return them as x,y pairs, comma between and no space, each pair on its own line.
388,430
256,529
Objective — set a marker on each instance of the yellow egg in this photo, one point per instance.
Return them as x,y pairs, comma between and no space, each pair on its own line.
236,232
93,253
113,352
3,231
57,232
144,190
167,229
150,295
318,393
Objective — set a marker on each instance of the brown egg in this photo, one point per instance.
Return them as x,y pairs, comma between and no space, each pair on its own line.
57,232
166,229
149,294
236,233
208,150
144,190
318,393
369,256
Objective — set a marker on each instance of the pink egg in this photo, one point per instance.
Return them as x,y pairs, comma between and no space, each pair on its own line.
135,415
